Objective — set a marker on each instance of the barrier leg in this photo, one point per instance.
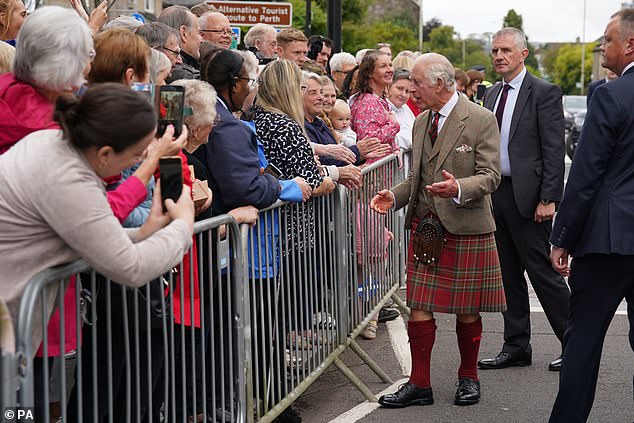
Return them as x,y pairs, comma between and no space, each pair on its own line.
368,360
401,304
354,380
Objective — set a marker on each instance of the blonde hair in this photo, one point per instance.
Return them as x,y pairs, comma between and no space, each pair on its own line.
289,35
340,106
6,7
280,90
403,61
6,57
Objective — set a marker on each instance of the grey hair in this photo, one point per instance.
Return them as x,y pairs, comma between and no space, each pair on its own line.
201,98
438,67
46,56
250,63
156,34
361,54
125,22
202,20
626,23
177,16
7,51
311,75
159,62
518,36
339,59
257,32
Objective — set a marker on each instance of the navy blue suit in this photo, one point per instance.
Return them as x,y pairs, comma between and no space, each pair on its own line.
231,156
595,224
593,86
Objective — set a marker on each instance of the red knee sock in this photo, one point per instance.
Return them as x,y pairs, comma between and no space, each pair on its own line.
422,335
469,335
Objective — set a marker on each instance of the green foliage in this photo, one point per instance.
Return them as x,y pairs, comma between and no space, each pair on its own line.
513,19
356,37
567,67
318,22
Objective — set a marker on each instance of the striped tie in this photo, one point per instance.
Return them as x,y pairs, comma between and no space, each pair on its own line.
433,130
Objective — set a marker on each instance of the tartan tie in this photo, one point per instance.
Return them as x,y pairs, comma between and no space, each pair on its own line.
433,129
499,112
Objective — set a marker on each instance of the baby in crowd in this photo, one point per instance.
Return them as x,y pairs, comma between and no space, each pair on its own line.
340,118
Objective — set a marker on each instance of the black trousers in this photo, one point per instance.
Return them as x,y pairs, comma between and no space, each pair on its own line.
599,283
523,246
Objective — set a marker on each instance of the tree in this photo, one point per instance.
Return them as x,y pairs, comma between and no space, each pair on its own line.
513,19
429,26
567,69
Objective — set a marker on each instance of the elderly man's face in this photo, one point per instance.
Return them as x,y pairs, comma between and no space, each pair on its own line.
217,30
267,45
313,99
424,92
340,75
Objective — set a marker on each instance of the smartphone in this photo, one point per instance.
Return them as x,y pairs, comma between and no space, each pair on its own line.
170,109
146,89
273,170
480,91
171,171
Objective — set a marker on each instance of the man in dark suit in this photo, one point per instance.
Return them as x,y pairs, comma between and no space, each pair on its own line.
531,120
610,76
594,224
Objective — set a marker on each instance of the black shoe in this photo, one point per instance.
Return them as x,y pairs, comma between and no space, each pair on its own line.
290,415
468,392
408,394
505,359
555,366
388,314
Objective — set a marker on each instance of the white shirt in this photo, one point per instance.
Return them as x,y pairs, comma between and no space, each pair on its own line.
629,65
505,129
405,119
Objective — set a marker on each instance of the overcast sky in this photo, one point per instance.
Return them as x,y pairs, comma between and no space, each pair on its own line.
544,20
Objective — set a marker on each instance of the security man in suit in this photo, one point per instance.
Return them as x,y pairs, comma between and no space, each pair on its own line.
531,120
594,225
456,167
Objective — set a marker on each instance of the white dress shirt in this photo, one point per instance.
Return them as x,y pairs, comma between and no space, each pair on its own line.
505,129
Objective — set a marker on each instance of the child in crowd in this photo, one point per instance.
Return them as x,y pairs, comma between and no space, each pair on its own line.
340,118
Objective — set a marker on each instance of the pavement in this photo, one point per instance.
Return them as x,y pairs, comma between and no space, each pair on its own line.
510,395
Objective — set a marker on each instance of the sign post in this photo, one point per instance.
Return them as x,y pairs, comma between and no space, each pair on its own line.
249,13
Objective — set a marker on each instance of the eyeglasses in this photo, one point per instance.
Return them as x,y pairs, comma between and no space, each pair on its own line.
228,32
303,88
252,82
92,55
176,53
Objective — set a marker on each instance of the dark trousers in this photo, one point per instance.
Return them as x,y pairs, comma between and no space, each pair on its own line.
599,283
523,246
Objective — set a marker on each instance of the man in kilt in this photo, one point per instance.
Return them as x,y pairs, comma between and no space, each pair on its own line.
455,168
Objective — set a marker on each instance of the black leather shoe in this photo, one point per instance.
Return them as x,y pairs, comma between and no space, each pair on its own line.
388,314
468,392
504,360
408,394
555,366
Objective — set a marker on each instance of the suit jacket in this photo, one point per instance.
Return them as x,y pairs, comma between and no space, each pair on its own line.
233,166
467,147
597,211
593,86
536,143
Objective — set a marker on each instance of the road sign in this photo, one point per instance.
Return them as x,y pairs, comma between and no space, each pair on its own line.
237,37
249,13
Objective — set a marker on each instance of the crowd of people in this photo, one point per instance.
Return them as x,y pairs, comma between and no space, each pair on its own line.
79,156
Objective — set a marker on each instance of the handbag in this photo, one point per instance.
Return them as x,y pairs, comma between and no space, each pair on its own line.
428,241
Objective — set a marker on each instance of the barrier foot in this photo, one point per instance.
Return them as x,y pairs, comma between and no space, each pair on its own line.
354,380
368,360
401,304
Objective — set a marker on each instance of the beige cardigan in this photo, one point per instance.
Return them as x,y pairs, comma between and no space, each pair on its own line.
53,210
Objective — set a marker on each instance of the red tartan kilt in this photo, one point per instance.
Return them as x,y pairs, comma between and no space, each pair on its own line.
466,280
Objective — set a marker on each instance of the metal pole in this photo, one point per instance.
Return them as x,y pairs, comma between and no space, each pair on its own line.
308,21
421,23
583,48
334,24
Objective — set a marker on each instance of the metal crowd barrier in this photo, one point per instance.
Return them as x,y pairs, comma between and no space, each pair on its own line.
275,305
171,351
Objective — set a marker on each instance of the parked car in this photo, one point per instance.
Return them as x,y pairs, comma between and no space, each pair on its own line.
572,138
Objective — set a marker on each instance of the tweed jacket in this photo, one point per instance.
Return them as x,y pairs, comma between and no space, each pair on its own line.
467,147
